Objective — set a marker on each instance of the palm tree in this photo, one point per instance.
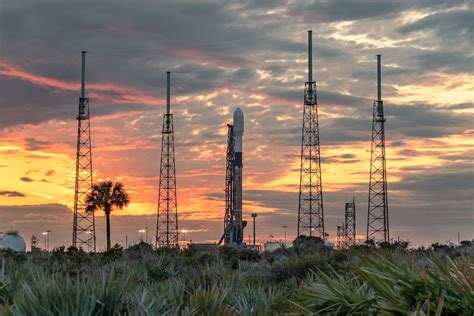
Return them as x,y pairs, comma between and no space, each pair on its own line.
107,196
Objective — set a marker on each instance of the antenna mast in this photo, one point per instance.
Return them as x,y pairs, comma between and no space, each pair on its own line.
83,231
310,207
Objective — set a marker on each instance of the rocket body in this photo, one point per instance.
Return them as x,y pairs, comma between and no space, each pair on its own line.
238,167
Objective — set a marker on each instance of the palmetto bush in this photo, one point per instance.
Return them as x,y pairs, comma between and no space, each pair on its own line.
382,285
140,281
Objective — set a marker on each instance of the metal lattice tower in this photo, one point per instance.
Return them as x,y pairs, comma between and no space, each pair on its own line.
83,231
310,208
377,219
341,236
350,223
229,180
167,218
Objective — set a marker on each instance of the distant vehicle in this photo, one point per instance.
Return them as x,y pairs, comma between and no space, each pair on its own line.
13,241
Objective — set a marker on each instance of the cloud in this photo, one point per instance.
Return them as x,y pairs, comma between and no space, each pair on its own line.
49,173
12,194
26,179
32,143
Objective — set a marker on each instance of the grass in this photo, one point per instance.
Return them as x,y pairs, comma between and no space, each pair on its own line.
304,279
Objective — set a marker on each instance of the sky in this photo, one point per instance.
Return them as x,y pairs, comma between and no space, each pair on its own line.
228,54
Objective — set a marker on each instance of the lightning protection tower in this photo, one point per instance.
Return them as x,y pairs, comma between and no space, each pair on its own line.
350,223
377,219
310,208
83,231
167,218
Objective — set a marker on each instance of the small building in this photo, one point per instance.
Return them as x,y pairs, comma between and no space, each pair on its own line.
13,241
272,245
203,246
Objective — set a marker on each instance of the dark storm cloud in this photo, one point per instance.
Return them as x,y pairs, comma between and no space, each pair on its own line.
12,194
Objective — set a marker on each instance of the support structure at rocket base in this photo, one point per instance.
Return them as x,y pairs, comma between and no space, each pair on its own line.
233,223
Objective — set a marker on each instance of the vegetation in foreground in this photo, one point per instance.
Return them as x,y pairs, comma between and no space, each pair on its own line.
307,278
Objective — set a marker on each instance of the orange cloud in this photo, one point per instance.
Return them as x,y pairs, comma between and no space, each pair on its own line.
100,91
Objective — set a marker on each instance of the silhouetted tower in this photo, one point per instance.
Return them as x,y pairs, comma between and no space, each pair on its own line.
341,236
377,220
83,231
167,219
229,185
34,243
350,223
310,208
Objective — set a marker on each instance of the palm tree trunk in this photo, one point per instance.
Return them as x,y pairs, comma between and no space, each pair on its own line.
107,223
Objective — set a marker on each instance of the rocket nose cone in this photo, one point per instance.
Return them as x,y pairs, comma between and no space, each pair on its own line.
238,120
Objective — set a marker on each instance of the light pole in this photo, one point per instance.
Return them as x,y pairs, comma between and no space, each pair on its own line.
184,231
88,244
284,227
254,216
142,231
46,242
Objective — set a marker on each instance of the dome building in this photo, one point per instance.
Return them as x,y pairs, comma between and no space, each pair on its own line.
13,241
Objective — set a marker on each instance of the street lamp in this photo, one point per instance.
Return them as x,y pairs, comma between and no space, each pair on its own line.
46,242
284,227
144,231
184,231
254,216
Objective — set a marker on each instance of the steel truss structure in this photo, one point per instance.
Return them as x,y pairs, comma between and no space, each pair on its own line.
83,231
377,219
350,223
167,214
310,207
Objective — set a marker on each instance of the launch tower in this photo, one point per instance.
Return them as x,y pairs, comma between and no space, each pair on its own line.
310,207
233,223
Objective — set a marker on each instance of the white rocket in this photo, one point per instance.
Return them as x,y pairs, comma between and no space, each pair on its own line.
238,166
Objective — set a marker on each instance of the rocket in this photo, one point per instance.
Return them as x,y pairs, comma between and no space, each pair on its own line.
238,167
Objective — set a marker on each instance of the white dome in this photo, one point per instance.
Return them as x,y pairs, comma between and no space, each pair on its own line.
12,240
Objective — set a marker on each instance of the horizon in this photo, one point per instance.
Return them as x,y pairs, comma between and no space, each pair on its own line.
225,56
